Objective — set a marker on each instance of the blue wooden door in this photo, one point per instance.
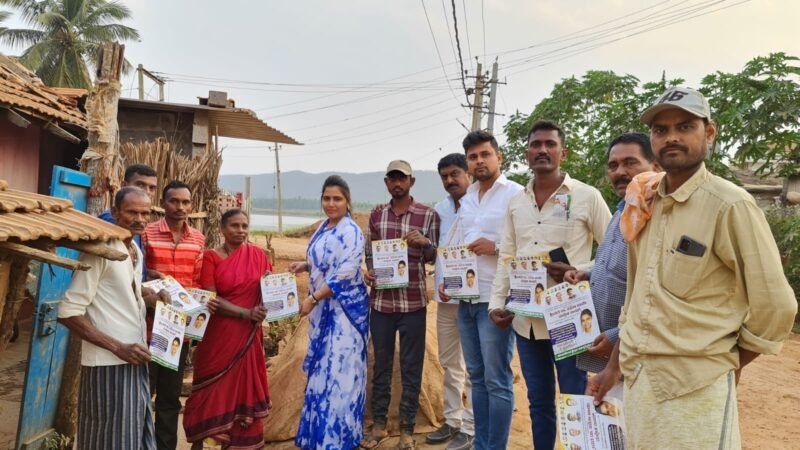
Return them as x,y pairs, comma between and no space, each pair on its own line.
48,348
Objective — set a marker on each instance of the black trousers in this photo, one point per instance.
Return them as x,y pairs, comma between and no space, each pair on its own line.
384,328
167,384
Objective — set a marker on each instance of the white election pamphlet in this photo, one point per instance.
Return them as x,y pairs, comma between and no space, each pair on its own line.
279,294
197,322
460,271
169,324
528,281
181,299
390,263
584,426
570,318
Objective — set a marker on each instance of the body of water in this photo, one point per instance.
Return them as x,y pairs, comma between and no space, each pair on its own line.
270,222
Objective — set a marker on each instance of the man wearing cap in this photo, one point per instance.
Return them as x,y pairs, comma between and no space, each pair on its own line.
399,309
709,294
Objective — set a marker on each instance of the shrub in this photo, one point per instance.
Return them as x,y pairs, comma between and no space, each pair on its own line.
785,225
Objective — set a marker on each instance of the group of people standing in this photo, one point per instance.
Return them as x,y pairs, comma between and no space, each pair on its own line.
686,281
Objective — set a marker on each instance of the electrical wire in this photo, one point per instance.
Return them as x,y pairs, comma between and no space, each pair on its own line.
458,46
466,29
438,53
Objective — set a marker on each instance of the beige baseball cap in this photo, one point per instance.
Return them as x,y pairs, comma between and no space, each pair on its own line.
684,98
400,166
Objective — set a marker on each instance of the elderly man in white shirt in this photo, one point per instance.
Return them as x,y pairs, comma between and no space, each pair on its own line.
554,211
487,349
105,308
459,423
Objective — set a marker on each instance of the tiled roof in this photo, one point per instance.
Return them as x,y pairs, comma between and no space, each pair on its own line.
26,94
25,216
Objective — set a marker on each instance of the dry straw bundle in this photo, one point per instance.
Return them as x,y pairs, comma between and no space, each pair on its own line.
200,172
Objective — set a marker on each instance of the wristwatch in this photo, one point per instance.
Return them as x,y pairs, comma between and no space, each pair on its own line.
496,249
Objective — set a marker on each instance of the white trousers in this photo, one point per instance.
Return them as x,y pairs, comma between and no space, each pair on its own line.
457,388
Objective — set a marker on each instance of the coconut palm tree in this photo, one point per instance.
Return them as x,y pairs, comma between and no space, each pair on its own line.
64,36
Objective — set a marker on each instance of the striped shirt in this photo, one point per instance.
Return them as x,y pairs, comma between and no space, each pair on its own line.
385,224
609,279
181,260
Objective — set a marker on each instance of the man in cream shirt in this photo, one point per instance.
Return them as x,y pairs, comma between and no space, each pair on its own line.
554,211
105,308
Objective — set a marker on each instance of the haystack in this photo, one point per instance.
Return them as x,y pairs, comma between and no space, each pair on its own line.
200,172
287,384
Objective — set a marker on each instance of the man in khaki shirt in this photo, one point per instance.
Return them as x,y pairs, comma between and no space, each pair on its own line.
707,297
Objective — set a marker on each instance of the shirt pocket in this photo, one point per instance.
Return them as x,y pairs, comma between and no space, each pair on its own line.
680,273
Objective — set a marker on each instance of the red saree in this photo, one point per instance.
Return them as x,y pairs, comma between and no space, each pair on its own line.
230,396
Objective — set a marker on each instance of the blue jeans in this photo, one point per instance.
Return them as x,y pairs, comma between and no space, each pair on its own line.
536,359
488,351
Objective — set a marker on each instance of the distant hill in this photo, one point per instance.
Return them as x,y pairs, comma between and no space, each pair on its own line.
365,187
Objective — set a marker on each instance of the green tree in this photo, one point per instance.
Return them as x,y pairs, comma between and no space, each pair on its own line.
64,35
592,110
758,114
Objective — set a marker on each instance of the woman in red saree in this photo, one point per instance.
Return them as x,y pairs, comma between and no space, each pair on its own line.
230,396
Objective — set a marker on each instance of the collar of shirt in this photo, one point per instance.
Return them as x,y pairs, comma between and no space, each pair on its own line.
163,227
688,188
474,188
566,184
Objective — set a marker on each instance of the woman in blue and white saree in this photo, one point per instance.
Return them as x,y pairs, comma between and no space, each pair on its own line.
338,310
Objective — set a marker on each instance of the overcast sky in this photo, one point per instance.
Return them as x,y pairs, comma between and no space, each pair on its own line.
360,82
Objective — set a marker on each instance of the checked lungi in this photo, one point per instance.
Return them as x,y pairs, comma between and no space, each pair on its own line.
114,408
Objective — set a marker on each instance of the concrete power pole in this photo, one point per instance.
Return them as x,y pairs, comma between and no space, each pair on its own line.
278,186
141,72
246,203
492,98
477,103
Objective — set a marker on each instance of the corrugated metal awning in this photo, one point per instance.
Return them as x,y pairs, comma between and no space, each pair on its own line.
239,123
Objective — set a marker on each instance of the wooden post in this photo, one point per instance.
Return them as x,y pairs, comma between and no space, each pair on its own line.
100,161
278,184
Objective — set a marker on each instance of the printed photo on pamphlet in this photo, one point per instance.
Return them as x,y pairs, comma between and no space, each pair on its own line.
197,322
584,426
181,298
390,263
460,270
169,324
570,318
528,281
279,294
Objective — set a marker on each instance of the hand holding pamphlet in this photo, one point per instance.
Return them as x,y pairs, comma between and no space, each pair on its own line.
584,426
390,263
181,299
528,282
460,270
168,329
197,322
570,318
279,294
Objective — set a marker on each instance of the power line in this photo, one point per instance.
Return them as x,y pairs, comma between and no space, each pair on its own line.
438,53
466,29
458,46
369,113
672,18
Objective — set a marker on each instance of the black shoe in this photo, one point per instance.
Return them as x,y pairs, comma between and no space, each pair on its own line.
441,435
461,441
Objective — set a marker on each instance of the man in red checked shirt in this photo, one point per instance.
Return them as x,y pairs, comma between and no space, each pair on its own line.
174,249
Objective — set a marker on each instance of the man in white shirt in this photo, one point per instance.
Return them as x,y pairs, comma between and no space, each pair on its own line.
459,423
487,349
104,307
554,211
